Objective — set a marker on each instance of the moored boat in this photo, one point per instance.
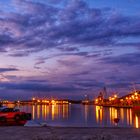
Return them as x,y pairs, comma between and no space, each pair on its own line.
12,116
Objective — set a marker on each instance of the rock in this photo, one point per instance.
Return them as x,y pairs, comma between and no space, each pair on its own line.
32,124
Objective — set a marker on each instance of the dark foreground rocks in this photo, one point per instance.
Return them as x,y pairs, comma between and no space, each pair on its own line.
65,133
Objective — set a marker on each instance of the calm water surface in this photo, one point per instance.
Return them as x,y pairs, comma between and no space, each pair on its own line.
82,115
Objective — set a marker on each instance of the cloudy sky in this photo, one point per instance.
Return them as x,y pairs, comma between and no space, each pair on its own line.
68,48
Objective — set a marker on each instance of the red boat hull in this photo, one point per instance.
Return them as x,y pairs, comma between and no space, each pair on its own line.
13,123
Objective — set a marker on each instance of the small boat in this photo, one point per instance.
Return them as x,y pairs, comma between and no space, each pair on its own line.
12,116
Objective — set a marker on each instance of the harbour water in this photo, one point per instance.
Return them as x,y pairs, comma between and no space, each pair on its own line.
82,115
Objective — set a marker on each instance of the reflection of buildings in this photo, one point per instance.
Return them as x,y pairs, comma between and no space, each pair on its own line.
113,114
38,111
99,114
127,116
103,115
52,111
33,112
122,114
136,118
119,113
136,121
65,111
86,111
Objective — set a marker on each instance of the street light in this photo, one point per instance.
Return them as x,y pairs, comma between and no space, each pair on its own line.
115,96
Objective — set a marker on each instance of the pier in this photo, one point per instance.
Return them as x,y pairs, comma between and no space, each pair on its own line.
127,101
36,101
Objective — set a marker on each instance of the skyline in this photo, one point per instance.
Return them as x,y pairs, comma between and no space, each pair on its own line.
66,49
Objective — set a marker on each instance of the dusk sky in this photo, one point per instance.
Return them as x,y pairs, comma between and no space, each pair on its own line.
68,48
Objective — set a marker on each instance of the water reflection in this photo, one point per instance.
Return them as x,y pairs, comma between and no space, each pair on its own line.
129,116
122,114
137,121
83,115
53,112
113,114
33,112
44,112
86,110
99,114
38,111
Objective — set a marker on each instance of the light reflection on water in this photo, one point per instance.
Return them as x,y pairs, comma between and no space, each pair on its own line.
83,115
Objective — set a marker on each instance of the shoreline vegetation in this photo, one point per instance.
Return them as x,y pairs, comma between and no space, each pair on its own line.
68,133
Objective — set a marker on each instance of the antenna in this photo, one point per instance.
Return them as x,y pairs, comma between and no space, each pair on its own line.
105,92
134,87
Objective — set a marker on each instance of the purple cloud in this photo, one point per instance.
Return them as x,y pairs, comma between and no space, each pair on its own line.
2,70
44,26
125,59
71,46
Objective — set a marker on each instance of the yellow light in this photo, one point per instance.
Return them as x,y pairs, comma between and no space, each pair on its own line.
53,111
122,114
126,98
136,93
53,101
65,102
115,113
97,113
137,122
110,99
33,112
38,111
33,98
121,100
38,101
130,117
115,96
46,101
96,100
130,98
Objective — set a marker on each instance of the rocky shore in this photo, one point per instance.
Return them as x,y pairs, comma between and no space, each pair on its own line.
67,133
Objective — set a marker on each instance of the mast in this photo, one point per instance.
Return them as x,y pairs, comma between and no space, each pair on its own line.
105,92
